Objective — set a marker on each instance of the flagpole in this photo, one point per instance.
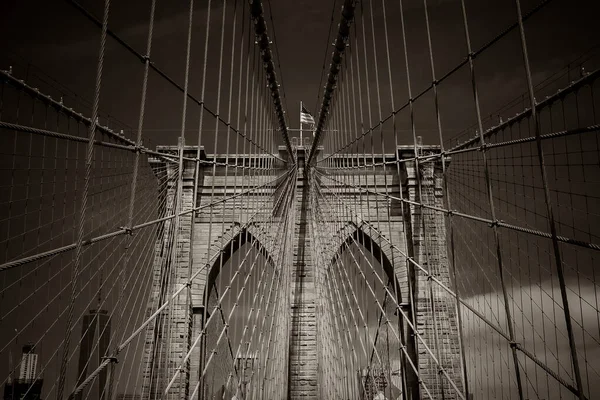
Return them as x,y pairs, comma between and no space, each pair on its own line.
301,142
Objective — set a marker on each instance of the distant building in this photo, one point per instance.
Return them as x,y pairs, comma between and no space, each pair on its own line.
28,363
95,336
26,387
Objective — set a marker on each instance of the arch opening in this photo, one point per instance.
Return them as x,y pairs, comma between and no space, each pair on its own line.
240,297
361,282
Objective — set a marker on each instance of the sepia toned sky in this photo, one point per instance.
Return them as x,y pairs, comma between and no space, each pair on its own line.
56,38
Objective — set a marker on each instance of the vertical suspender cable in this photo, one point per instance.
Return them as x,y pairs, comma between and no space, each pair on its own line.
82,211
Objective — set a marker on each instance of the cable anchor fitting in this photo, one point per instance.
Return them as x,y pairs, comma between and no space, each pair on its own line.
111,359
128,230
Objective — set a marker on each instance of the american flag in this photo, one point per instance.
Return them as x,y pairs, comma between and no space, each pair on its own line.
305,117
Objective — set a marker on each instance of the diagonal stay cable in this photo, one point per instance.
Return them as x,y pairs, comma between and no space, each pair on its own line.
222,296
129,230
465,304
400,311
488,221
175,294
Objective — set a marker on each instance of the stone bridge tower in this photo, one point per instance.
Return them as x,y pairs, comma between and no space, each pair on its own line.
207,237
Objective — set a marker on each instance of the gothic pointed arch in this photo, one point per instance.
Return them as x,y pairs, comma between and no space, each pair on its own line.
394,265
392,259
255,234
